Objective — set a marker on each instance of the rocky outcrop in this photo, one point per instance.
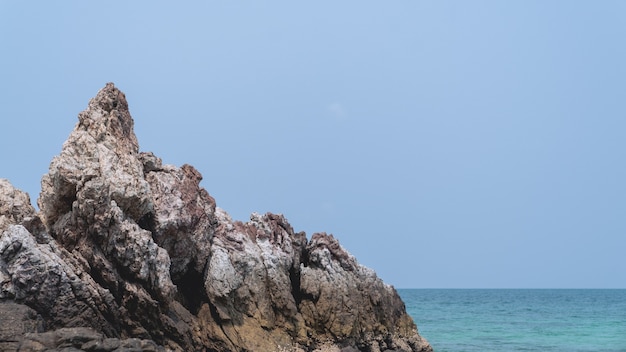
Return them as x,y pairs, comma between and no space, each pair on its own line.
15,205
127,253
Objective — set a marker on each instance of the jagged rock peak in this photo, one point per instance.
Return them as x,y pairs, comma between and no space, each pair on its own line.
136,250
107,118
100,156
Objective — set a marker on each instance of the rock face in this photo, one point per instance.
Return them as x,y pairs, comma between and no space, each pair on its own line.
14,205
129,254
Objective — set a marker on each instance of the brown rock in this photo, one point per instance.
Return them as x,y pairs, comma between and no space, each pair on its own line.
342,300
249,281
182,221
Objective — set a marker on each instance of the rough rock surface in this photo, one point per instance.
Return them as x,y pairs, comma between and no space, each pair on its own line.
129,254
15,205
17,320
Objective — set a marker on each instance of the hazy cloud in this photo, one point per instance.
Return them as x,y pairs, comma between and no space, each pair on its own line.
337,110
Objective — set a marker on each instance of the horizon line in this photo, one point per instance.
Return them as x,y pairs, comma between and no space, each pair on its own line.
510,288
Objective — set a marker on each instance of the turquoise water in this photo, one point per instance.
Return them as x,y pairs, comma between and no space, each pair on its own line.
520,320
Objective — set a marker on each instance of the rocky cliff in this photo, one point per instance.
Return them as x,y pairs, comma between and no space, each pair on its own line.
127,253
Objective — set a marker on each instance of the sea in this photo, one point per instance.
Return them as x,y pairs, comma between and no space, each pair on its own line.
572,320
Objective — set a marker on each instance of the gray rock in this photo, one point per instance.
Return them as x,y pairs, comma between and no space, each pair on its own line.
83,339
14,205
48,279
129,254
17,320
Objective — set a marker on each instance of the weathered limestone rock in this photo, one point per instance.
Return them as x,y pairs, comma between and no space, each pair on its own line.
47,279
130,254
99,158
95,193
343,300
14,205
249,281
182,220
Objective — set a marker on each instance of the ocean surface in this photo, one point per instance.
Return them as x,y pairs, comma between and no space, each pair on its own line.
457,320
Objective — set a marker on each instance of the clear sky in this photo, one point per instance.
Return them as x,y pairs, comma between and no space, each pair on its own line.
445,143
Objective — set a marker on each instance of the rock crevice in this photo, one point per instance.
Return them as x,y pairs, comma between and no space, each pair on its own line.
127,252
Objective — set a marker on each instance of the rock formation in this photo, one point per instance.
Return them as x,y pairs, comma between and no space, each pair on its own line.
127,253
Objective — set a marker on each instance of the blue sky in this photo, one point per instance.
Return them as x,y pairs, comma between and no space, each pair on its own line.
445,143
